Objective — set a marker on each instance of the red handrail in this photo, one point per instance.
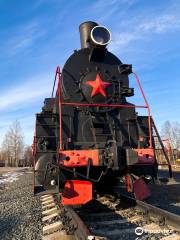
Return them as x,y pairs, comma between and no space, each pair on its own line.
147,105
101,105
58,73
60,103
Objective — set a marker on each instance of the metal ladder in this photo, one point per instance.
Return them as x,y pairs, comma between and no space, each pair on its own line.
162,146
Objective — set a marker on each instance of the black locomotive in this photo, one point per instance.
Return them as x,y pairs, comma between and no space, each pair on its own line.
89,135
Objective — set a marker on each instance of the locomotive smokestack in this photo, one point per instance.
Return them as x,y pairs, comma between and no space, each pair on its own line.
85,33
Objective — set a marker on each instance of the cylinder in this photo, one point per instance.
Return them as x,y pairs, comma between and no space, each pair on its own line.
85,32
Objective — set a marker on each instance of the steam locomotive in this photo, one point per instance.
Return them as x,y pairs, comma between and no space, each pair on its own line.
88,135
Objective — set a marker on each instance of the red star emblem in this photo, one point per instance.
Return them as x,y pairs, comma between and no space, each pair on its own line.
98,86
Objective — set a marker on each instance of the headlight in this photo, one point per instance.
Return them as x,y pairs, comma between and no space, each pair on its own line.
100,35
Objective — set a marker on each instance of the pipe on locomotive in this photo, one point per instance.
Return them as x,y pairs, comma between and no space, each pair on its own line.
91,34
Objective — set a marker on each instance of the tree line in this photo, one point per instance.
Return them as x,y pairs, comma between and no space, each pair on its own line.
14,152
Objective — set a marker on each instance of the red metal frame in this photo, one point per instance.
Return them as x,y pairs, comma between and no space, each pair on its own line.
58,75
145,156
76,192
148,108
141,190
78,158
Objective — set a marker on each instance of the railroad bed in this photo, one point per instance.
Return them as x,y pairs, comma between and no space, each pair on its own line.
23,216
20,211
108,218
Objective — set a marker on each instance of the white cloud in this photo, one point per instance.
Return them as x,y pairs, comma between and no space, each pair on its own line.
34,88
22,38
104,9
122,39
101,4
21,97
143,29
161,24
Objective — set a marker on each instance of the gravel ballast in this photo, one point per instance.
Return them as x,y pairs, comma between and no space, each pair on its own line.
166,195
20,211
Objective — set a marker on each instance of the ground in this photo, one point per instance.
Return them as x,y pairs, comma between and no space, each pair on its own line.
20,211
166,194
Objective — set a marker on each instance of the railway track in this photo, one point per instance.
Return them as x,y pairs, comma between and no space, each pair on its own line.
107,217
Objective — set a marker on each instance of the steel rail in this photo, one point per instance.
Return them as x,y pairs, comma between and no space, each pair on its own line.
156,214
80,229
163,216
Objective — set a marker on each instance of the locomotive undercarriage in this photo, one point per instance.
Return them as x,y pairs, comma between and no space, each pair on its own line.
112,139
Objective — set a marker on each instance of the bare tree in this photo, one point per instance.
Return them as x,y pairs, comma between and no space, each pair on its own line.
176,135
6,153
2,158
171,131
13,144
28,157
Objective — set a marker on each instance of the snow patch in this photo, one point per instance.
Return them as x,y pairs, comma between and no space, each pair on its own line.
9,177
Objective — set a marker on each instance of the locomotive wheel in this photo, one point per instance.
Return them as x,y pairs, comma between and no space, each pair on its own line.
40,169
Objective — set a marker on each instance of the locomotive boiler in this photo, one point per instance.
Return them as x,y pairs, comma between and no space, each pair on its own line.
89,135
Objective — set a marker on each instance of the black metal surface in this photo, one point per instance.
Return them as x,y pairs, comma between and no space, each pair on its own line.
100,36
85,30
113,131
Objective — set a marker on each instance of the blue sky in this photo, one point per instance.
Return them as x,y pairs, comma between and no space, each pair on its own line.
38,35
